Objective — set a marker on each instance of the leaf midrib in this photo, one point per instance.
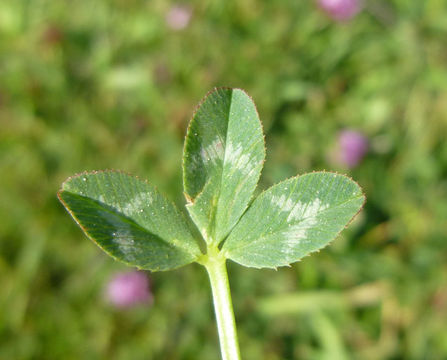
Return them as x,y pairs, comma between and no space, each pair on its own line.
212,226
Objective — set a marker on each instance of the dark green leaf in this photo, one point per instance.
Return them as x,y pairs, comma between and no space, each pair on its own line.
222,162
130,220
292,219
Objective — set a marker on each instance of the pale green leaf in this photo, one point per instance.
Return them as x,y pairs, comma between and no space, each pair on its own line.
223,157
130,220
292,219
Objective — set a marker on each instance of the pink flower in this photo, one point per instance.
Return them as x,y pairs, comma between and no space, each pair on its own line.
352,147
341,10
178,17
129,289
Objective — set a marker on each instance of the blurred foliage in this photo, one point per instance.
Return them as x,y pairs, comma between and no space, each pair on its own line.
89,84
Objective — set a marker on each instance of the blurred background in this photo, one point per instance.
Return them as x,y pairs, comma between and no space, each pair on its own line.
356,88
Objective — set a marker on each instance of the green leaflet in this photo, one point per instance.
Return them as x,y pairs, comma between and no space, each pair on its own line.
130,220
292,219
223,157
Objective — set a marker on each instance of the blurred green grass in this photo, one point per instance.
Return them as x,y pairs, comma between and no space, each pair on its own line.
106,84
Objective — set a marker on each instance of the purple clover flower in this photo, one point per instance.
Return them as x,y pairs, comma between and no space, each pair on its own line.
352,147
178,17
341,10
128,289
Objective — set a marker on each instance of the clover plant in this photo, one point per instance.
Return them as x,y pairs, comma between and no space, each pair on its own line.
222,161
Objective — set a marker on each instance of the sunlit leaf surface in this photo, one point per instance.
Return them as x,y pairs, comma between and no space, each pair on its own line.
294,218
130,220
223,158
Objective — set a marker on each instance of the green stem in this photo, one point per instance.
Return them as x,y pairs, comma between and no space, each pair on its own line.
214,263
